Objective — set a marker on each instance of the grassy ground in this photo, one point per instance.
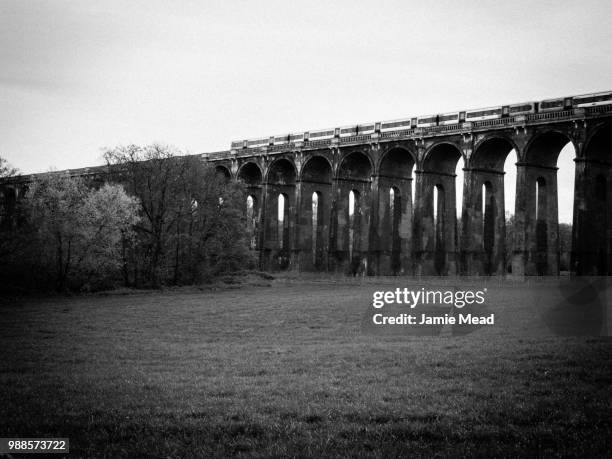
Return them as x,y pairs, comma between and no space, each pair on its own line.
287,370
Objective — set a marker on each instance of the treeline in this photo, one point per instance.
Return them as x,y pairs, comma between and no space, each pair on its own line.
156,219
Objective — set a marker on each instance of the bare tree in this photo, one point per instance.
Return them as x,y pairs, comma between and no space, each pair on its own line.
192,219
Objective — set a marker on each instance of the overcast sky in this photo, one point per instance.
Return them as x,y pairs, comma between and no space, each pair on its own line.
77,76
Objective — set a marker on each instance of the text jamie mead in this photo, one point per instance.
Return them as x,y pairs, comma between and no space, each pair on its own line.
422,297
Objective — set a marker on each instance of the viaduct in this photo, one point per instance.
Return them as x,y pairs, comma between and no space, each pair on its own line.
345,203
331,204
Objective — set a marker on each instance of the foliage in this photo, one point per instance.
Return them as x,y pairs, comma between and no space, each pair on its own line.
71,235
179,222
193,222
6,170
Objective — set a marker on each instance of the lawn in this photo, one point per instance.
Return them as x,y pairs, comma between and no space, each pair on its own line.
290,369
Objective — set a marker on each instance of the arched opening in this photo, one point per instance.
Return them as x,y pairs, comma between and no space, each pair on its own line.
281,220
459,184
509,204
412,184
566,173
315,226
355,166
250,174
223,171
354,214
282,172
251,221
435,207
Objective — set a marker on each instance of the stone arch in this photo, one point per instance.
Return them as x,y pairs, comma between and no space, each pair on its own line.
250,173
441,157
355,165
223,171
317,169
543,148
396,162
281,171
491,152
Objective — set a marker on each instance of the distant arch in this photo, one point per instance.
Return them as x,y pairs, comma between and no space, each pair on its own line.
317,169
442,158
355,166
491,153
281,172
397,162
250,174
223,171
543,149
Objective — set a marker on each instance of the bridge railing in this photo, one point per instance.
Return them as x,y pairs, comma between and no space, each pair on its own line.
551,115
495,122
417,132
599,109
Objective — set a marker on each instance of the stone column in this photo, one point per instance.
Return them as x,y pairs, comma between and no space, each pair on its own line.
435,247
394,244
483,247
536,241
591,238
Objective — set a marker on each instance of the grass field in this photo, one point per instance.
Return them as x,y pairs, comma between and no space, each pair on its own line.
287,370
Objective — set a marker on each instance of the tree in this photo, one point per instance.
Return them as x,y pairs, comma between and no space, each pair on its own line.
192,220
6,170
10,238
77,232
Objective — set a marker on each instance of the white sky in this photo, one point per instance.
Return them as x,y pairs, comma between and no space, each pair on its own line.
76,76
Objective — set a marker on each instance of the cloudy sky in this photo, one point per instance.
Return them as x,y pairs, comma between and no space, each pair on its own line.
79,76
